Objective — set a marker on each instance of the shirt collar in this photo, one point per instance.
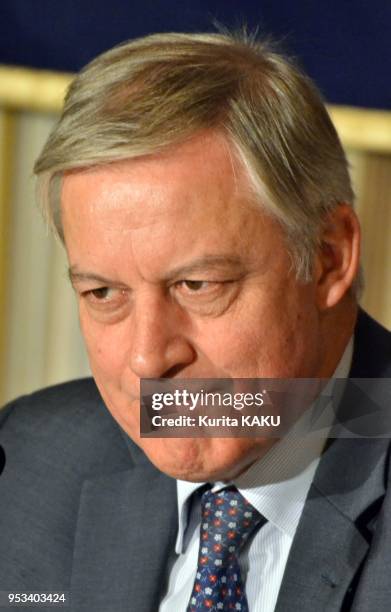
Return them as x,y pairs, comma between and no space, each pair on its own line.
277,484
185,490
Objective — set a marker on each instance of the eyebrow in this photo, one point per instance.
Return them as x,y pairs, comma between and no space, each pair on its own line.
200,264
79,277
207,262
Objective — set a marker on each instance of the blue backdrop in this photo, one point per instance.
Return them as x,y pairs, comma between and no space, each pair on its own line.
343,44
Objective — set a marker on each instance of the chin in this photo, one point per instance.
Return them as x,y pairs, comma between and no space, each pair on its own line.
180,458
203,459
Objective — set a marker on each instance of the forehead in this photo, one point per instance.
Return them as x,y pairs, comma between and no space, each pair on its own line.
164,211
204,168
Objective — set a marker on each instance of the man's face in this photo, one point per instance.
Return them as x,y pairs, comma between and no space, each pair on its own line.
178,274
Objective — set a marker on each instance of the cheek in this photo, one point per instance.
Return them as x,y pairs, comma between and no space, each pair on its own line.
270,337
105,350
118,387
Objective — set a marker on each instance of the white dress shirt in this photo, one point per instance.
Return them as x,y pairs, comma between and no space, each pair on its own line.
277,486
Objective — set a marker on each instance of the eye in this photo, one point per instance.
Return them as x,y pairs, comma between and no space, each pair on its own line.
104,296
201,289
106,304
196,285
100,294
205,297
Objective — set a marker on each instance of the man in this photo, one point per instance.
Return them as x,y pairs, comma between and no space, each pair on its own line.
205,205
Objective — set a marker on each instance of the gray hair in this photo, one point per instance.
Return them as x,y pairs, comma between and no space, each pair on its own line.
151,93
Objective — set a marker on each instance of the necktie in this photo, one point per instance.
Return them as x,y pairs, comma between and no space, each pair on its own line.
227,520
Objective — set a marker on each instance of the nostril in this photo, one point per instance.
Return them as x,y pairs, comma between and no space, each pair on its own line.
174,371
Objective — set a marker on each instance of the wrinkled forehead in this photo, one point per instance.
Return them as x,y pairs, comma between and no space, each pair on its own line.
206,165
164,212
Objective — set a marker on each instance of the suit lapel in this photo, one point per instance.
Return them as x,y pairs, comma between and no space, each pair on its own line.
126,525
335,529
340,514
322,562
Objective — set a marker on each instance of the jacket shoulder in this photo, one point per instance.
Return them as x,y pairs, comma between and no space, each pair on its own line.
74,395
54,441
66,428
372,349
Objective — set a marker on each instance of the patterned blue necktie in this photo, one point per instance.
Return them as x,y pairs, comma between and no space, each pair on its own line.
227,521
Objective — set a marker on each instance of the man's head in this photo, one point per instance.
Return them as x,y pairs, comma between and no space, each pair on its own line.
205,208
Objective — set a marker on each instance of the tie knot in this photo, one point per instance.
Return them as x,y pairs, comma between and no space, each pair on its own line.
227,520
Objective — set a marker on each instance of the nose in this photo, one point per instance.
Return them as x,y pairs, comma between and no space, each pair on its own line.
160,347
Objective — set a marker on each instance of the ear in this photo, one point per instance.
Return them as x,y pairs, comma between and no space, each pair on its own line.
338,257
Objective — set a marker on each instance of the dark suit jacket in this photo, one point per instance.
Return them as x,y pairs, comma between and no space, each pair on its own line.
82,510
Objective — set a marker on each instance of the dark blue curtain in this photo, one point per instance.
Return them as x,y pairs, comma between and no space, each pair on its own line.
343,44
